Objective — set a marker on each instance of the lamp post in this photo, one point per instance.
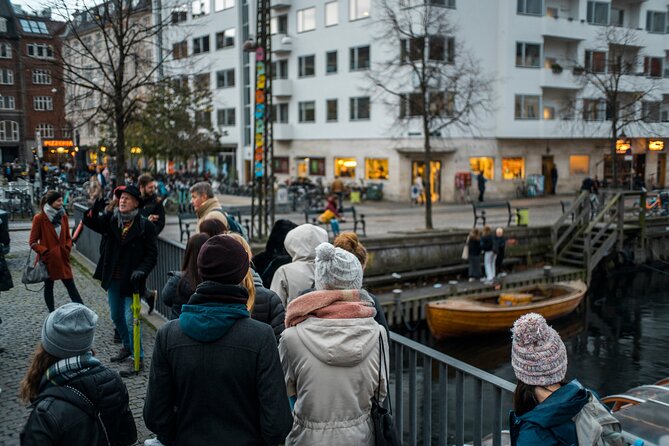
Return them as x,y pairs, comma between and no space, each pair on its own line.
134,151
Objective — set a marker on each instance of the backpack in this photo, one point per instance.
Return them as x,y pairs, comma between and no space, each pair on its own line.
595,426
233,225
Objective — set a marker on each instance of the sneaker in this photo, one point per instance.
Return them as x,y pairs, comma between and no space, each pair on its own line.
122,354
130,371
153,442
151,300
117,337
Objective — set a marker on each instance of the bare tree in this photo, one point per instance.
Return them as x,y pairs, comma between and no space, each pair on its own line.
431,77
617,89
111,55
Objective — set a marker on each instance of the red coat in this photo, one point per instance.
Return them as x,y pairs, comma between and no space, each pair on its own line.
54,251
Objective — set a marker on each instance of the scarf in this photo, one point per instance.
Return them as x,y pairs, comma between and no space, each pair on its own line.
55,216
67,369
124,218
328,304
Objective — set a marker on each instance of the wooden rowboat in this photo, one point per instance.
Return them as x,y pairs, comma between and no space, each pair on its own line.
469,315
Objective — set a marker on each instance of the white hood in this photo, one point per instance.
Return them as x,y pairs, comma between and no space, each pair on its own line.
301,242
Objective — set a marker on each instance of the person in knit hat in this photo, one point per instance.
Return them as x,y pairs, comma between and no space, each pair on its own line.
216,353
67,387
332,351
544,403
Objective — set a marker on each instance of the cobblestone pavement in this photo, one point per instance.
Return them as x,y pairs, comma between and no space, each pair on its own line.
23,313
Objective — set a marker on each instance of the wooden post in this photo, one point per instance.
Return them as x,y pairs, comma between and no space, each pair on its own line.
621,220
642,219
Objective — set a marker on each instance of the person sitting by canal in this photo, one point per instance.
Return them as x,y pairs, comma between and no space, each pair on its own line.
331,215
499,248
474,254
548,410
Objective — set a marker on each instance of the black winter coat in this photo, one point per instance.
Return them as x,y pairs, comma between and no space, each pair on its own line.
154,206
176,292
486,243
61,416
268,308
138,251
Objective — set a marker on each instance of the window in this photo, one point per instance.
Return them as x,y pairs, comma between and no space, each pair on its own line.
41,77
220,5
656,22
549,113
310,166
331,62
359,108
280,69
179,14
331,110
180,50
225,117
200,8
650,111
376,168
306,20
527,106
280,113
225,78
281,164
331,13
579,164
306,66
438,48
33,26
594,110
483,164
45,131
66,132
307,111
43,103
5,51
358,9
201,45
652,66
201,81
359,58
9,131
595,61
40,50
3,25
225,39
513,168
7,103
598,13
203,119
279,24
528,55
530,7
345,167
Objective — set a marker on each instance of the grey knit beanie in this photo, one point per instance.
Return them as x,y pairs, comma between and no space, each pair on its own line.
538,355
69,330
337,269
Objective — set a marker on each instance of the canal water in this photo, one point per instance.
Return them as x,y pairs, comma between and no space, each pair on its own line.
616,340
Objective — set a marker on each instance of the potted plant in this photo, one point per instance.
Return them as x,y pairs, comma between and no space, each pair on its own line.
556,67
578,70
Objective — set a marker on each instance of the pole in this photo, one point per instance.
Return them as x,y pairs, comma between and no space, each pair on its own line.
136,333
38,175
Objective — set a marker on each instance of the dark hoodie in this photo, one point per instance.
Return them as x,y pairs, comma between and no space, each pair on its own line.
550,423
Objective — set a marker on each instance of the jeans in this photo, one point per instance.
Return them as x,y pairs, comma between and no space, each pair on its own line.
489,264
334,225
120,309
71,291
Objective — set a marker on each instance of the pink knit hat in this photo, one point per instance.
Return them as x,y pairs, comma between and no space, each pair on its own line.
538,355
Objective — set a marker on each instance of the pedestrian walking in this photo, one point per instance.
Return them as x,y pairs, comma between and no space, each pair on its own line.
554,179
218,367
548,410
331,352
275,255
50,238
206,205
291,279
481,180
499,248
338,188
154,211
75,400
487,247
474,254
127,257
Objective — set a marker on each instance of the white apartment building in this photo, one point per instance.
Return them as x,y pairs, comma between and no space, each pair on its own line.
328,121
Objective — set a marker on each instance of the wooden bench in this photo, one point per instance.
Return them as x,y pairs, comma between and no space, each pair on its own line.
481,214
311,216
186,217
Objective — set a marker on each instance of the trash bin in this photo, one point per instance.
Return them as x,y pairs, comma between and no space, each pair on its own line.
374,191
522,216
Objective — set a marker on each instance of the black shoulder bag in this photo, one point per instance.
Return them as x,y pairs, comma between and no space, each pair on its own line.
385,433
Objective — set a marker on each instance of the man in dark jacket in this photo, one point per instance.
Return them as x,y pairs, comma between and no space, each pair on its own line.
481,180
154,211
128,256
215,375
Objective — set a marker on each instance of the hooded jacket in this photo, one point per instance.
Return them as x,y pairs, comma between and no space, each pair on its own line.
335,361
211,209
550,423
215,375
291,279
268,307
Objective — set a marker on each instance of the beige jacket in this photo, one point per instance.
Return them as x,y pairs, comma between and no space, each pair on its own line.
211,208
332,366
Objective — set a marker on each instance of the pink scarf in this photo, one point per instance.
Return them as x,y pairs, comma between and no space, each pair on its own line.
328,304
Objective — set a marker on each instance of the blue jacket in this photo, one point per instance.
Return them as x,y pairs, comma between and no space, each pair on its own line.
550,423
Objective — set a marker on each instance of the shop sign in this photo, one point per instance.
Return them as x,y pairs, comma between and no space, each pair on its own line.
655,145
623,146
57,143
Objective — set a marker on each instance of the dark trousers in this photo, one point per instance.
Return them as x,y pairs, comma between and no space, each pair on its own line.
481,192
340,199
71,290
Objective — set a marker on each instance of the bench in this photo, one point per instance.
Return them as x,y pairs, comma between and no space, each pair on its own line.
187,217
481,214
311,216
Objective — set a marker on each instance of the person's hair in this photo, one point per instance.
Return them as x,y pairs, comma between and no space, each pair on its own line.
202,188
144,180
348,241
248,280
213,226
277,236
486,230
189,266
49,194
474,234
525,398
39,364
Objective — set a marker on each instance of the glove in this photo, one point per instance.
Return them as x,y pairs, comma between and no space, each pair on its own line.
137,276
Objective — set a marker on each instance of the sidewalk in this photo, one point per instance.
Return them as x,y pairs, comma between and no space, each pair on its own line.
23,313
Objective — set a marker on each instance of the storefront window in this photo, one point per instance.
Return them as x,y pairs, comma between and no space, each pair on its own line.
376,168
281,164
579,164
513,168
310,166
483,164
345,167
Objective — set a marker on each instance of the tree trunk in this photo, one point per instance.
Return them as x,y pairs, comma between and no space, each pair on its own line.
614,154
120,147
427,181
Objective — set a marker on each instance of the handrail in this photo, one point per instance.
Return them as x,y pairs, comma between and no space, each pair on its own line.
575,205
603,213
558,239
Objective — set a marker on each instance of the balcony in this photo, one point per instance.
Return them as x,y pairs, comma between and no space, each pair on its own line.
564,80
281,44
566,28
282,88
282,132
279,4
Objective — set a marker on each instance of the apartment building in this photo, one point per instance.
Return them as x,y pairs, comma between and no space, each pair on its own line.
31,95
329,122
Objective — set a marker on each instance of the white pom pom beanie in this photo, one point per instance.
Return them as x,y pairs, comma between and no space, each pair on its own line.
337,269
538,355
